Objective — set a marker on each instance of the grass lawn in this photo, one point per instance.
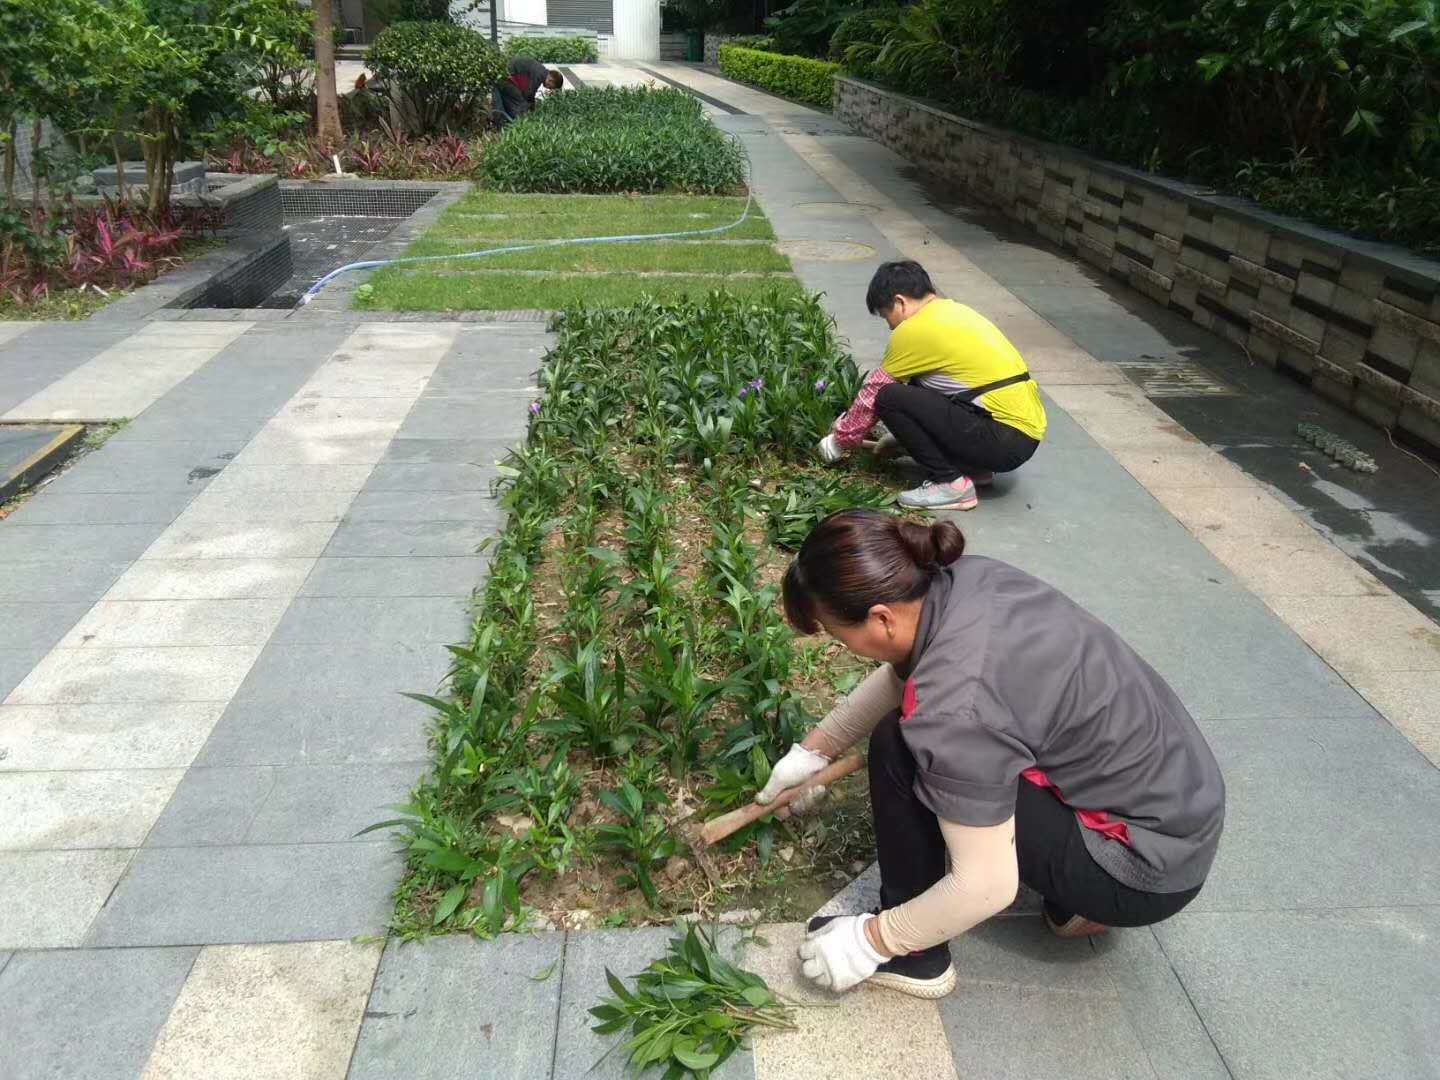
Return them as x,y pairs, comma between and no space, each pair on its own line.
742,260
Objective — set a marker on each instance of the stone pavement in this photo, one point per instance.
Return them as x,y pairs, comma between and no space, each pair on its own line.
208,619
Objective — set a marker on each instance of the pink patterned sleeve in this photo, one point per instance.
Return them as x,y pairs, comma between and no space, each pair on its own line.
851,428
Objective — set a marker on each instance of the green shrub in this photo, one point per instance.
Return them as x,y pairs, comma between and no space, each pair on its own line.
443,73
795,77
555,50
614,139
805,27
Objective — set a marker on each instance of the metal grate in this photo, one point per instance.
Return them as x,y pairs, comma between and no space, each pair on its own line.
324,200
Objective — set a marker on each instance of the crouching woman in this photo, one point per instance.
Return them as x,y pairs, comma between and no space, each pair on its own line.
1011,734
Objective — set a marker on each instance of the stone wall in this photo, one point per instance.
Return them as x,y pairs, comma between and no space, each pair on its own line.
712,46
1357,322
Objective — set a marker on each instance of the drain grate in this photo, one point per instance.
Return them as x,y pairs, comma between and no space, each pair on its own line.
326,200
1167,377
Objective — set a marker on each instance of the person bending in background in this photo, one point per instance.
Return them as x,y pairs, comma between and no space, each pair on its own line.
951,389
517,92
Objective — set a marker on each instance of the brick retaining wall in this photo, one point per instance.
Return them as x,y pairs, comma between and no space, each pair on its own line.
1357,322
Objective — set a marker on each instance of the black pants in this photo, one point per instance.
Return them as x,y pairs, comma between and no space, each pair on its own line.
1048,845
949,438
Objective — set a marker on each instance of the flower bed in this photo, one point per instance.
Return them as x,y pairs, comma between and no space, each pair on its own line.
628,673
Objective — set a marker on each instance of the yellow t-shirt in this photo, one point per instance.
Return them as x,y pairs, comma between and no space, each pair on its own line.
949,347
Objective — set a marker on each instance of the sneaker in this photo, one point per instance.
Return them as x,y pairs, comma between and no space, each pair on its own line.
926,974
958,494
1064,925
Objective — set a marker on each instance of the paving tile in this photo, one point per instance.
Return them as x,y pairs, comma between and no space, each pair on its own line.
450,451
1407,699
499,417
1364,635
95,808
422,477
242,540
146,468
1022,954
152,736
1225,513
30,881
133,623
267,1010
281,729
381,576
341,669
86,1013
440,619
851,1035
290,478
323,409
1161,1013
410,538
1254,668
168,425
289,448
121,382
478,1000
31,624
58,580
420,506
342,381
311,804
212,807
209,673
99,508
1091,1035
1291,566
231,895
247,506
1286,846
16,664
1333,993
579,1051
21,543
1182,467
211,579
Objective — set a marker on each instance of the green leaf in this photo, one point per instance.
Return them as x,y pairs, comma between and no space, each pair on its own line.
545,973
757,996
687,1053
449,902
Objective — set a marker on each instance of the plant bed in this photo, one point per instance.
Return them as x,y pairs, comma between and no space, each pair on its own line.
628,673
742,260
382,154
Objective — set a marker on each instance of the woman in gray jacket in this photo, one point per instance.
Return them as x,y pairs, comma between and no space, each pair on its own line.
1011,733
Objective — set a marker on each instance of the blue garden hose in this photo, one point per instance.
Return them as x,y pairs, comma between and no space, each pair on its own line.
371,264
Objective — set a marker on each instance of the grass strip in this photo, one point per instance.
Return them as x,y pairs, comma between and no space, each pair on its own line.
485,215
396,291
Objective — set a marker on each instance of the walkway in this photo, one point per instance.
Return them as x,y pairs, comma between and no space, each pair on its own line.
205,624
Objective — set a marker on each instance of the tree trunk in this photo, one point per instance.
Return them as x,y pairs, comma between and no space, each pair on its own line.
327,121
10,166
121,184
37,132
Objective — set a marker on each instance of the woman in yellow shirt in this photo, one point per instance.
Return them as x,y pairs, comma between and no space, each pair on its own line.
952,390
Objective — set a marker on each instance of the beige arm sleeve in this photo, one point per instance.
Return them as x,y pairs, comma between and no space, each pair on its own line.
856,715
983,879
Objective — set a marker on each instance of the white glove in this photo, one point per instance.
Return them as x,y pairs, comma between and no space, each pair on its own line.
838,955
797,766
830,450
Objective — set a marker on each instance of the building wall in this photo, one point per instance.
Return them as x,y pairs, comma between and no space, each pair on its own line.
1357,322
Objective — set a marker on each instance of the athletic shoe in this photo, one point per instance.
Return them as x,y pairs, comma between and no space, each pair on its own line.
926,974
958,494
1063,924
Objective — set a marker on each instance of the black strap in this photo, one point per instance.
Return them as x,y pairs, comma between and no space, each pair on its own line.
967,397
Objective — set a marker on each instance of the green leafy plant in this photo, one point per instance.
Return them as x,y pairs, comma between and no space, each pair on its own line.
796,77
795,508
613,139
571,49
641,839
593,700
674,698
689,1010
443,73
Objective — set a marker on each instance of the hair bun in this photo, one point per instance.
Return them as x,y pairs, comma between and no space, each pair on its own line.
932,546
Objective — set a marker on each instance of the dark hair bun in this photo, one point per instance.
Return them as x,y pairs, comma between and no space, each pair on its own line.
932,546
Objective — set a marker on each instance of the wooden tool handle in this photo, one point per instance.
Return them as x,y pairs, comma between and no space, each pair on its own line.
716,829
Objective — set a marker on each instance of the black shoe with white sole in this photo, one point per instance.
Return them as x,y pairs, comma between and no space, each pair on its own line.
925,974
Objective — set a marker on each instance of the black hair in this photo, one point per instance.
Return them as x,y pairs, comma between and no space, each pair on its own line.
855,559
905,278
559,77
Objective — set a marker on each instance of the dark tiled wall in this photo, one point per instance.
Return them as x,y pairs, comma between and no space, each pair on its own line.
1354,328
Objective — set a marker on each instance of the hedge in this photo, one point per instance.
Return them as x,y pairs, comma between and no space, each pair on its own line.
443,73
615,139
555,50
796,77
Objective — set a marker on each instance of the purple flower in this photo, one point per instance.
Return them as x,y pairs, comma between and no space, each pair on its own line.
820,385
744,390
758,384
534,408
